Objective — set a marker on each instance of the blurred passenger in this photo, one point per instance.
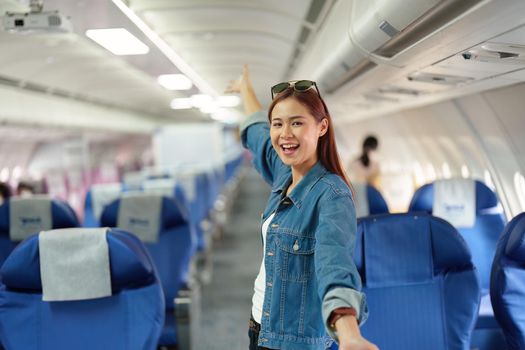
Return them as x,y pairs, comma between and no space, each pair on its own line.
5,192
24,189
365,168
309,224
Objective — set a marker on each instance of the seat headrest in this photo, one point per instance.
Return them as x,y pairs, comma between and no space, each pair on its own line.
515,248
130,264
424,196
172,214
394,249
62,216
376,202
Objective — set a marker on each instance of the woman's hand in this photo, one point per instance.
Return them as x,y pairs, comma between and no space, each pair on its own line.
237,85
349,335
356,344
243,85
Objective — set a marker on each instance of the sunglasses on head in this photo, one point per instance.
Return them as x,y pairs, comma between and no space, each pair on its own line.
298,85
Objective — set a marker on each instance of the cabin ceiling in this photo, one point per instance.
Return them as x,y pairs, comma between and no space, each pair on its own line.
214,37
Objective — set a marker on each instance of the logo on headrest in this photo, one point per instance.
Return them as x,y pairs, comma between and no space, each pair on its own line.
454,207
33,221
139,222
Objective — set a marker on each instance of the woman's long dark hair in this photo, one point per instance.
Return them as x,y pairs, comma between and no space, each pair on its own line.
369,144
326,147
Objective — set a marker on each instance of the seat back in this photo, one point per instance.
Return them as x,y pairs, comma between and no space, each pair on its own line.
421,286
482,235
97,198
130,317
507,283
173,246
49,214
368,200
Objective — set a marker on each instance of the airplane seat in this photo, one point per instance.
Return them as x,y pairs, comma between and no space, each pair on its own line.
20,217
473,208
368,200
425,298
98,196
81,288
163,226
507,284
479,222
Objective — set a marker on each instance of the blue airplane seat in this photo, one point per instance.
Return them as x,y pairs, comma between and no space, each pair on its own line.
421,286
97,198
482,236
368,200
123,310
61,215
200,207
507,284
169,240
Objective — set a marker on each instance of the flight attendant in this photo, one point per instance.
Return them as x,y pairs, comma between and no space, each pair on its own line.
308,285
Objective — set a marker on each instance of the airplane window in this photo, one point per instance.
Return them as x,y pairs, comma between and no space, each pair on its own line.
17,171
465,172
519,183
419,176
431,173
446,171
488,180
4,174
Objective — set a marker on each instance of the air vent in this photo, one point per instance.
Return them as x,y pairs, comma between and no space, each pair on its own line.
434,19
316,7
440,79
8,81
54,20
395,90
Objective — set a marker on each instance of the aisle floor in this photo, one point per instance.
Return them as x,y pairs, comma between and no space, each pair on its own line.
226,301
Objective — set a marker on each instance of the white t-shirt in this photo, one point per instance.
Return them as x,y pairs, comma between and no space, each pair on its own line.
260,282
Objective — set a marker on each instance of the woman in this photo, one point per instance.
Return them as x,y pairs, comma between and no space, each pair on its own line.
308,284
365,168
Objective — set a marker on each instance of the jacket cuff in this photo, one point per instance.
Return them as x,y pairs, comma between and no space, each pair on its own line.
344,297
257,117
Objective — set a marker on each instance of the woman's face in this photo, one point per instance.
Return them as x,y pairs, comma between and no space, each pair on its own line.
295,133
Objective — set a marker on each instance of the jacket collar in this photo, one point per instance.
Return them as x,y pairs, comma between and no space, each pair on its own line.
304,186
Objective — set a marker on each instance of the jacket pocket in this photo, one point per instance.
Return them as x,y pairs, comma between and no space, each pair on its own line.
295,257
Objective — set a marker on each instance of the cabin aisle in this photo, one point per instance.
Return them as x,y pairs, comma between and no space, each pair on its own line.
226,301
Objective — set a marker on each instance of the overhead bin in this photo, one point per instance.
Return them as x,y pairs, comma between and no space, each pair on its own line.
360,34
385,28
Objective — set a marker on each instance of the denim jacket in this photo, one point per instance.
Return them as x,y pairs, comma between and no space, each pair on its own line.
309,244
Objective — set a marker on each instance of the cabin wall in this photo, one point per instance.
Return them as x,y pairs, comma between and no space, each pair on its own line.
475,136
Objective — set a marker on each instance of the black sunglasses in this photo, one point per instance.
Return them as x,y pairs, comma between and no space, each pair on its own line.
298,85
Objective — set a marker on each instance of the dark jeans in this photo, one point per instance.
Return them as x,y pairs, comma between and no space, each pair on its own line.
253,333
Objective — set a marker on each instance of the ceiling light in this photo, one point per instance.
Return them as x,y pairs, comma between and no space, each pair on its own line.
174,81
181,103
230,116
167,50
201,100
228,101
118,40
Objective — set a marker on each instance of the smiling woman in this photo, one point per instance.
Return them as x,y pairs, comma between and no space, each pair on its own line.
308,226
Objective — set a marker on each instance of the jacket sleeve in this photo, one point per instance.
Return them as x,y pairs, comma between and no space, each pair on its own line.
255,136
337,276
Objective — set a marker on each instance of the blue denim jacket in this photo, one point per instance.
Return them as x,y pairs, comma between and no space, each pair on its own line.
309,266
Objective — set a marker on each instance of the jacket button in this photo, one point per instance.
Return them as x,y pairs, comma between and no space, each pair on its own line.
275,225
296,246
266,314
270,253
269,284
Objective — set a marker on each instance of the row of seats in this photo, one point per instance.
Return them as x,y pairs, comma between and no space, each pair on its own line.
166,223
474,211
423,289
